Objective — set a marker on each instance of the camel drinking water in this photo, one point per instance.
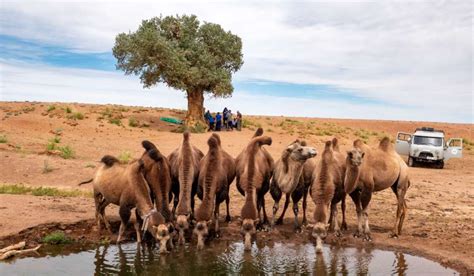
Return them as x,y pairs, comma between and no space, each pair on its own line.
184,163
125,186
254,167
216,173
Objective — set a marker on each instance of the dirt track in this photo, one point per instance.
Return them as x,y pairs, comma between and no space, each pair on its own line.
439,224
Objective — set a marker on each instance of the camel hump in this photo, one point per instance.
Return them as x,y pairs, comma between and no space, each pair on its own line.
263,140
335,144
155,155
358,143
109,160
213,142
259,132
186,136
327,145
217,137
385,143
147,145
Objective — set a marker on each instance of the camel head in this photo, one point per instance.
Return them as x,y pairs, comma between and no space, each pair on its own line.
201,231
298,151
319,232
182,223
248,230
159,229
354,157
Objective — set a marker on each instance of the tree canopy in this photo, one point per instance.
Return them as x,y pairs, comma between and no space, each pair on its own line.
181,52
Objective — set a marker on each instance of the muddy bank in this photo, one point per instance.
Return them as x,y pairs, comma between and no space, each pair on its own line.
85,235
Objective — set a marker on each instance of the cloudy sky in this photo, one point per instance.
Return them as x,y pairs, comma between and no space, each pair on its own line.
373,60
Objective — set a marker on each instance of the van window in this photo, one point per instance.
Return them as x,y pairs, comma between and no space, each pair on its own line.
432,141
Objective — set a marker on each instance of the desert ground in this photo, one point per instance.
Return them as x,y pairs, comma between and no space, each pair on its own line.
58,145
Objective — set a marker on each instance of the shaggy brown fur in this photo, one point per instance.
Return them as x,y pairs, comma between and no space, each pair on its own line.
254,167
157,174
216,172
288,179
327,190
184,163
125,186
381,168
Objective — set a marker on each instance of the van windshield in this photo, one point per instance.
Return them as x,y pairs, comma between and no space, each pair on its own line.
432,141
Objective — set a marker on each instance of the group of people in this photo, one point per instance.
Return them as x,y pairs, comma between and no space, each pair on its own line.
224,121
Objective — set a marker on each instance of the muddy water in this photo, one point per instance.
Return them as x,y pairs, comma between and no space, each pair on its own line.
221,258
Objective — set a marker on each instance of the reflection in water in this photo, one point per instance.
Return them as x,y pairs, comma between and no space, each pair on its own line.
227,258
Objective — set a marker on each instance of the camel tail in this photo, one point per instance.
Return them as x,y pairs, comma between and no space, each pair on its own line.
85,182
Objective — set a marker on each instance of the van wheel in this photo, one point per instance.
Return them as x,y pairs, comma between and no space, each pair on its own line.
440,164
411,162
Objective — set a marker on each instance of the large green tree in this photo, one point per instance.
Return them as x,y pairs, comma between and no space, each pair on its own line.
184,54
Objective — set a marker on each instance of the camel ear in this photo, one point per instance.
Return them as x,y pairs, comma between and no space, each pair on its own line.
155,155
147,145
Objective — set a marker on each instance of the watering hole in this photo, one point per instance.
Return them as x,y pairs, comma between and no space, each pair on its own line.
223,258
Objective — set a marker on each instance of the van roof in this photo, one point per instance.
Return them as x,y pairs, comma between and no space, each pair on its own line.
429,133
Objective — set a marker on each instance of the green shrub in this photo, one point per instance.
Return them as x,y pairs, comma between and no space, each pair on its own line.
3,139
68,109
76,116
66,152
50,108
57,237
132,122
51,146
115,121
124,157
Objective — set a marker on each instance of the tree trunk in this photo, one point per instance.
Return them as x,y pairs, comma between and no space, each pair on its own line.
195,113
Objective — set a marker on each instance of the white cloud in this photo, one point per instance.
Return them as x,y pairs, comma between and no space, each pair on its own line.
413,54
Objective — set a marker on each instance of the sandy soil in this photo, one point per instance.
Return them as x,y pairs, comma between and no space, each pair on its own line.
439,224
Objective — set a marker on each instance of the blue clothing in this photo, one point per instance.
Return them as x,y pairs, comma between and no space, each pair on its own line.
218,117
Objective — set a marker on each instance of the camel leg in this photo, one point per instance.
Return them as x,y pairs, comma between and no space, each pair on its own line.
97,213
305,195
216,219
265,217
334,226
365,198
400,191
125,217
137,224
355,196
276,194
175,204
295,211
227,203
343,209
287,202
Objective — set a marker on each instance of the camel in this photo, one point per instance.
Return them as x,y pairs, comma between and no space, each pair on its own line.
254,167
125,186
287,177
184,163
327,190
158,177
216,173
370,170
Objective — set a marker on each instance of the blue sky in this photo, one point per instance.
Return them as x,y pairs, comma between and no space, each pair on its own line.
387,60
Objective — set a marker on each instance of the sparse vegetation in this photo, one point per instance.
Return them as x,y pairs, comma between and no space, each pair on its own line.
68,110
66,152
57,237
52,143
15,189
3,139
132,122
90,165
125,157
46,167
197,128
115,121
76,116
247,123
51,108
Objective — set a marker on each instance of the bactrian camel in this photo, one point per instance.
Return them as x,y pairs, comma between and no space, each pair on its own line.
184,162
216,173
287,176
254,167
125,186
327,190
374,169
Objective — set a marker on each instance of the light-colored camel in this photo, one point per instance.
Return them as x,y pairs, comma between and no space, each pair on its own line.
125,186
327,191
287,176
374,169
216,173
184,162
254,167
